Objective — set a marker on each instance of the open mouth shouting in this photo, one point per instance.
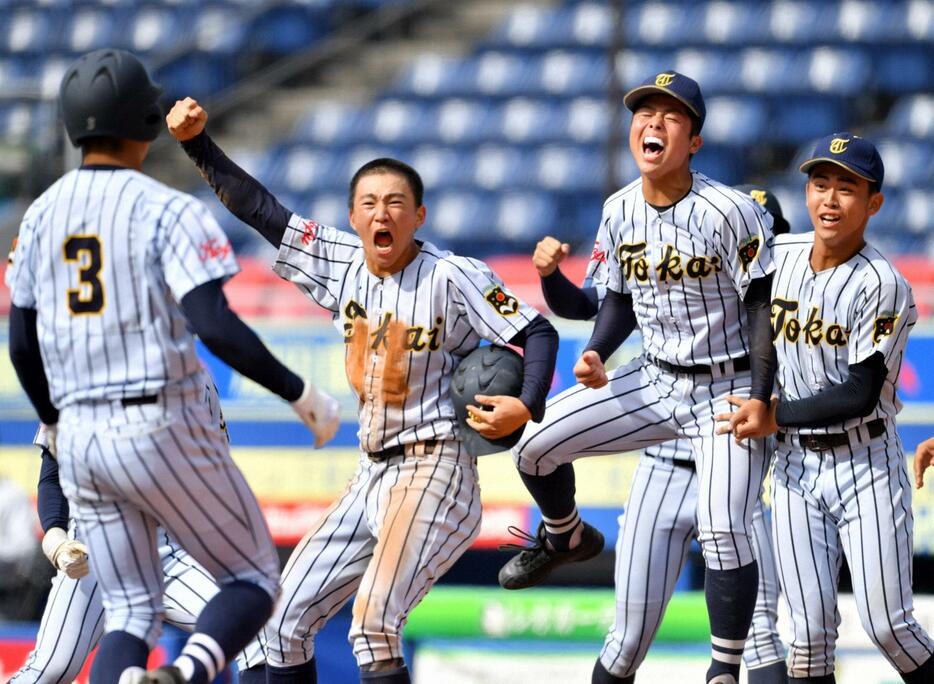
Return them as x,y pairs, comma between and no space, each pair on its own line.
652,148
383,240
829,219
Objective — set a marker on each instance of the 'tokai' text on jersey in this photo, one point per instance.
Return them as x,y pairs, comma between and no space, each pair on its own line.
405,332
687,267
824,322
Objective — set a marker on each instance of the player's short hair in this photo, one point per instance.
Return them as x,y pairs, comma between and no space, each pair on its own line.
389,165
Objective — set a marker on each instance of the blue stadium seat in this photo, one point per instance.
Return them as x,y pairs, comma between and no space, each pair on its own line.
400,121
734,23
87,28
913,115
195,72
431,76
521,216
521,120
581,24
869,22
151,28
805,23
585,120
661,24
303,168
570,168
905,69
838,71
918,212
286,28
443,167
355,157
500,166
908,162
772,70
454,215
735,120
722,163
497,74
29,29
217,30
798,119
569,73
716,71
333,123
461,121
634,66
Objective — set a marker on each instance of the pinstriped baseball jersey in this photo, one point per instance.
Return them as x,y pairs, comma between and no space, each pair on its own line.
824,322
404,333
105,256
677,262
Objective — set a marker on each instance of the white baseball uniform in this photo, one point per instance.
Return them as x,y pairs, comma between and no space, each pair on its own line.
406,518
854,499
105,255
687,268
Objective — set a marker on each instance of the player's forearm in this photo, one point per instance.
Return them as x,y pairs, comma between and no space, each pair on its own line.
234,343
616,319
566,299
51,503
27,362
244,196
539,340
762,358
856,397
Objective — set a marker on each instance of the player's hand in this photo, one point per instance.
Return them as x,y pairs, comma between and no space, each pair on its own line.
499,415
320,412
924,456
753,418
68,555
549,252
186,119
590,371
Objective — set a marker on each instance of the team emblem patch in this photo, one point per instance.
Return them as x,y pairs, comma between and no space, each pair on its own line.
214,249
598,255
758,196
883,327
748,249
504,303
309,231
838,145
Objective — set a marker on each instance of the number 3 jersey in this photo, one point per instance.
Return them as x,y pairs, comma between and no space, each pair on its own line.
105,255
824,322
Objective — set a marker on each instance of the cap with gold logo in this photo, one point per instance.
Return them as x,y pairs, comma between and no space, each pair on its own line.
770,203
681,87
853,153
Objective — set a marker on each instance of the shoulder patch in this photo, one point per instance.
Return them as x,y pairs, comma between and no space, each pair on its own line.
883,327
747,251
309,231
503,302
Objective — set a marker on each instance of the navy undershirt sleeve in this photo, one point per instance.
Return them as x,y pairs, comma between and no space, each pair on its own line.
50,500
566,299
234,343
856,397
26,357
616,319
244,196
539,340
762,358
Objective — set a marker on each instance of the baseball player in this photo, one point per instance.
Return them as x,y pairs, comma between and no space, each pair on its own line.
109,271
660,520
408,313
690,263
841,317
73,620
924,456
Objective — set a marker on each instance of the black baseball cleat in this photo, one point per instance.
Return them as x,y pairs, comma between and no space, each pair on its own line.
534,563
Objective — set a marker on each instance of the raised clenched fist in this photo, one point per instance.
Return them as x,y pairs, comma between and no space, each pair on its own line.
549,252
186,119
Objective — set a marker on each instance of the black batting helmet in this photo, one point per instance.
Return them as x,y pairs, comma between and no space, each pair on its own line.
108,94
490,370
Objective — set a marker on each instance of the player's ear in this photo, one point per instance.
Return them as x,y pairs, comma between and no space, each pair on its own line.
420,214
696,142
875,202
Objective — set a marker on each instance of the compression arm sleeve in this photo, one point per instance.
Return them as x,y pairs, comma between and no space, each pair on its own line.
615,321
244,196
50,500
539,339
27,362
856,397
762,357
232,341
566,299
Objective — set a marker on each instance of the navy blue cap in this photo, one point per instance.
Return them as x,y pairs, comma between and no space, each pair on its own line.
853,153
681,87
770,203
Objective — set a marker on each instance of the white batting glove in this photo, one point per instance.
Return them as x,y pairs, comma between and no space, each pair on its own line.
320,412
68,555
45,437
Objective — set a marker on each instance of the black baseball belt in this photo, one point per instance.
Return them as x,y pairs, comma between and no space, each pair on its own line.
140,401
739,365
875,428
399,450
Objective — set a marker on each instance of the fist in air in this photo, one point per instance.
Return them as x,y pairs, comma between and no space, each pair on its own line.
186,119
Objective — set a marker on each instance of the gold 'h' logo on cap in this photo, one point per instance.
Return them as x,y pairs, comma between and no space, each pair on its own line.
838,145
664,79
758,196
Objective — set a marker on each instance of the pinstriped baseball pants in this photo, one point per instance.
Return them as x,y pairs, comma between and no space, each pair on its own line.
396,529
128,469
